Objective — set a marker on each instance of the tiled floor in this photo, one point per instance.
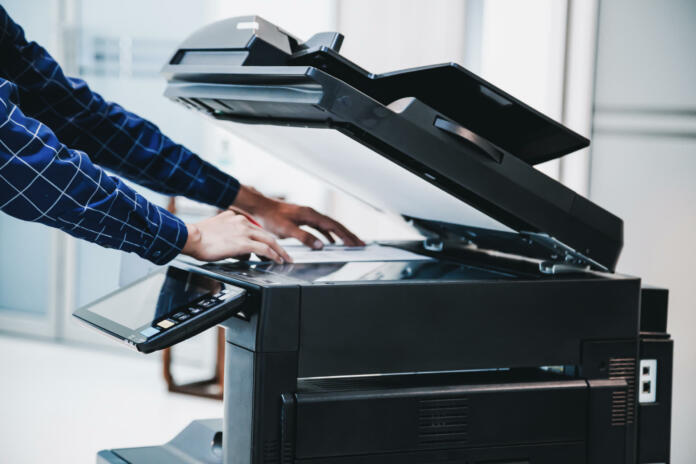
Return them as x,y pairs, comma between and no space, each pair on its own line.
62,403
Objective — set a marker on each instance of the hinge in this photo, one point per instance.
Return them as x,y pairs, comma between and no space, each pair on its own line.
433,244
552,267
564,259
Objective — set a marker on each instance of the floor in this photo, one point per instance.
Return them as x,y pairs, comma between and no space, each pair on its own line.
62,403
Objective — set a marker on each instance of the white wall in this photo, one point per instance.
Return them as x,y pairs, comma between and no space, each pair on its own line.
644,167
522,52
389,35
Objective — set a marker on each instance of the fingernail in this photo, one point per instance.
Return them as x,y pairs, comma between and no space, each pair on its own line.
318,244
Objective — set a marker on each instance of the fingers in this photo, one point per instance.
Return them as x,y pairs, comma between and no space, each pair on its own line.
262,236
328,235
348,237
306,238
269,247
326,225
264,249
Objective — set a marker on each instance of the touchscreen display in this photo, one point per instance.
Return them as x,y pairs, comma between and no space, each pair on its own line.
153,298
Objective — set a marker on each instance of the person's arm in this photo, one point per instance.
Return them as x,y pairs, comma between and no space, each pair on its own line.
113,137
135,148
42,180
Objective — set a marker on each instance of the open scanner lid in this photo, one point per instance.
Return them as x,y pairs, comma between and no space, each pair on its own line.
437,144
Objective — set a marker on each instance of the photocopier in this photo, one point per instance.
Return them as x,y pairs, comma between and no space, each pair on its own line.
503,336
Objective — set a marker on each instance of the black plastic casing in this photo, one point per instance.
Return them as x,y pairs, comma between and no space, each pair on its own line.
654,430
459,370
280,406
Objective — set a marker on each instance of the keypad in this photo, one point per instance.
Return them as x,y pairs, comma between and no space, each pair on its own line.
150,331
182,316
209,303
222,294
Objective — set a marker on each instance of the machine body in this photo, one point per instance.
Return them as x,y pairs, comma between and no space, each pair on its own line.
509,340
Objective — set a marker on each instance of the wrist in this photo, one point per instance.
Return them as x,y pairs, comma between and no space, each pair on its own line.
193,240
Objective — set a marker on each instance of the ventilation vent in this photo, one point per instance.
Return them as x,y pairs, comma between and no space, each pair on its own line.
623,403
288,452
443,422
618,408
271,452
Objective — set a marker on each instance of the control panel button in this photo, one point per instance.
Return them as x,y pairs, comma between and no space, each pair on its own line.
195,310
167,323
178,315
182,317
221,294
150,331
209,303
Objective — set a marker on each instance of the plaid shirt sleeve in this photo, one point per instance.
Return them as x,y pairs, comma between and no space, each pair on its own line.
44,181
49,148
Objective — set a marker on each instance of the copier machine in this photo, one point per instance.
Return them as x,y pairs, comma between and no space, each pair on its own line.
510,340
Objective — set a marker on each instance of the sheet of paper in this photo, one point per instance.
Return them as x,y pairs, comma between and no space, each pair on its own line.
340,253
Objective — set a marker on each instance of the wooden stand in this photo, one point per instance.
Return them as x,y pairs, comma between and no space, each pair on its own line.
210,388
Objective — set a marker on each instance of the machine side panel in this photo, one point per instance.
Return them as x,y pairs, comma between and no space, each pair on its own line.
239,405
608,439
604,362
654,419
254,383
431,326
275,374
279,320
273,322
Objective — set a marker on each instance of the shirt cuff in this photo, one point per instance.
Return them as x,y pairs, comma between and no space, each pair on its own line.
169,239
228,194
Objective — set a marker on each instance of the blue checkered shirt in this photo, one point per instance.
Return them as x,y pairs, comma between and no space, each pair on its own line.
56,138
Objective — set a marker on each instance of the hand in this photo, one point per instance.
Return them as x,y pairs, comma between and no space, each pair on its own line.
285,219
230,235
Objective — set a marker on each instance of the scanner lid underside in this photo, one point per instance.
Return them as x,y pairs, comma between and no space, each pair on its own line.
437,145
